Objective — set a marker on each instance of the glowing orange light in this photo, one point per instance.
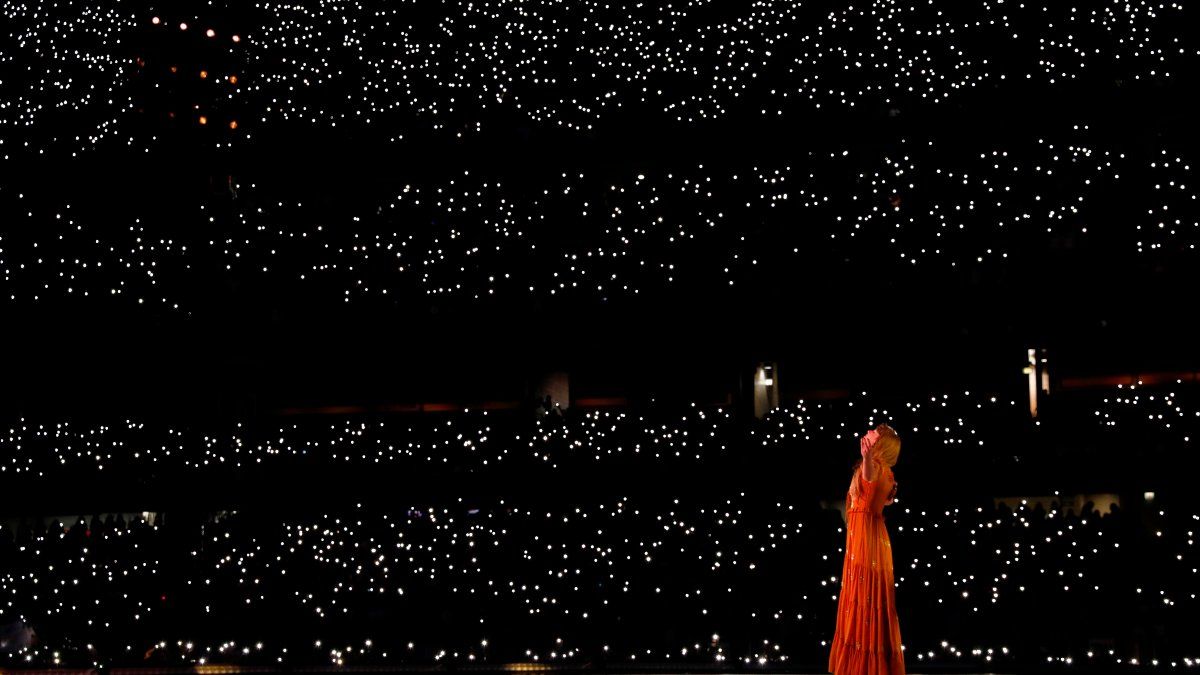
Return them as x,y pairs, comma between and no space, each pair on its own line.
237,39
204,74
203,120
174,69
232,124
210,32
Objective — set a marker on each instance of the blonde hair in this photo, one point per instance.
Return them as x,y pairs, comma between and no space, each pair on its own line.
887,446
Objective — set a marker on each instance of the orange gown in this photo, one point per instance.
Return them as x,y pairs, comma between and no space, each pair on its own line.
867,638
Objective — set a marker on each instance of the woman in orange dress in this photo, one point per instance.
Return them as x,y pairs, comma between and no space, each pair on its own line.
867,638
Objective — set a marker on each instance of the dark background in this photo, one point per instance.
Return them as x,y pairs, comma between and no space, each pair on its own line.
837,318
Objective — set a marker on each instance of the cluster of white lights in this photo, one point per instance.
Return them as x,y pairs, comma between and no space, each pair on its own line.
499,440
573,66
466,439
457,68
545,584
58,67
474,238
1154,411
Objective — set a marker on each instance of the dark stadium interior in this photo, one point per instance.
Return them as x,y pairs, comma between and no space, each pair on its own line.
283,286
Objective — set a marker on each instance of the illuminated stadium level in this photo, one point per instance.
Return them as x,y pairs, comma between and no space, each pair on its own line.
669,583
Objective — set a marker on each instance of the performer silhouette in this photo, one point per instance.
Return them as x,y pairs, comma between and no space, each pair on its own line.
867,638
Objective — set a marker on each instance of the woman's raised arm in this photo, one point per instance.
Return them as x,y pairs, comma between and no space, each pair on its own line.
870,470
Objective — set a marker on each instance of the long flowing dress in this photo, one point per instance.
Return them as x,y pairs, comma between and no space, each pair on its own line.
867,638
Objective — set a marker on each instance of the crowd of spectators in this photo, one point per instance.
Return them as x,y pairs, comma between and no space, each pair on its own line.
728,551
744,197
1079,435
204,164
750,579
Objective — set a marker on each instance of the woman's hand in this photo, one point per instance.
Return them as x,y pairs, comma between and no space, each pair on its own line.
866,444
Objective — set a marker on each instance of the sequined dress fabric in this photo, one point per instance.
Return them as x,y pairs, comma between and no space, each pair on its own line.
867,638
